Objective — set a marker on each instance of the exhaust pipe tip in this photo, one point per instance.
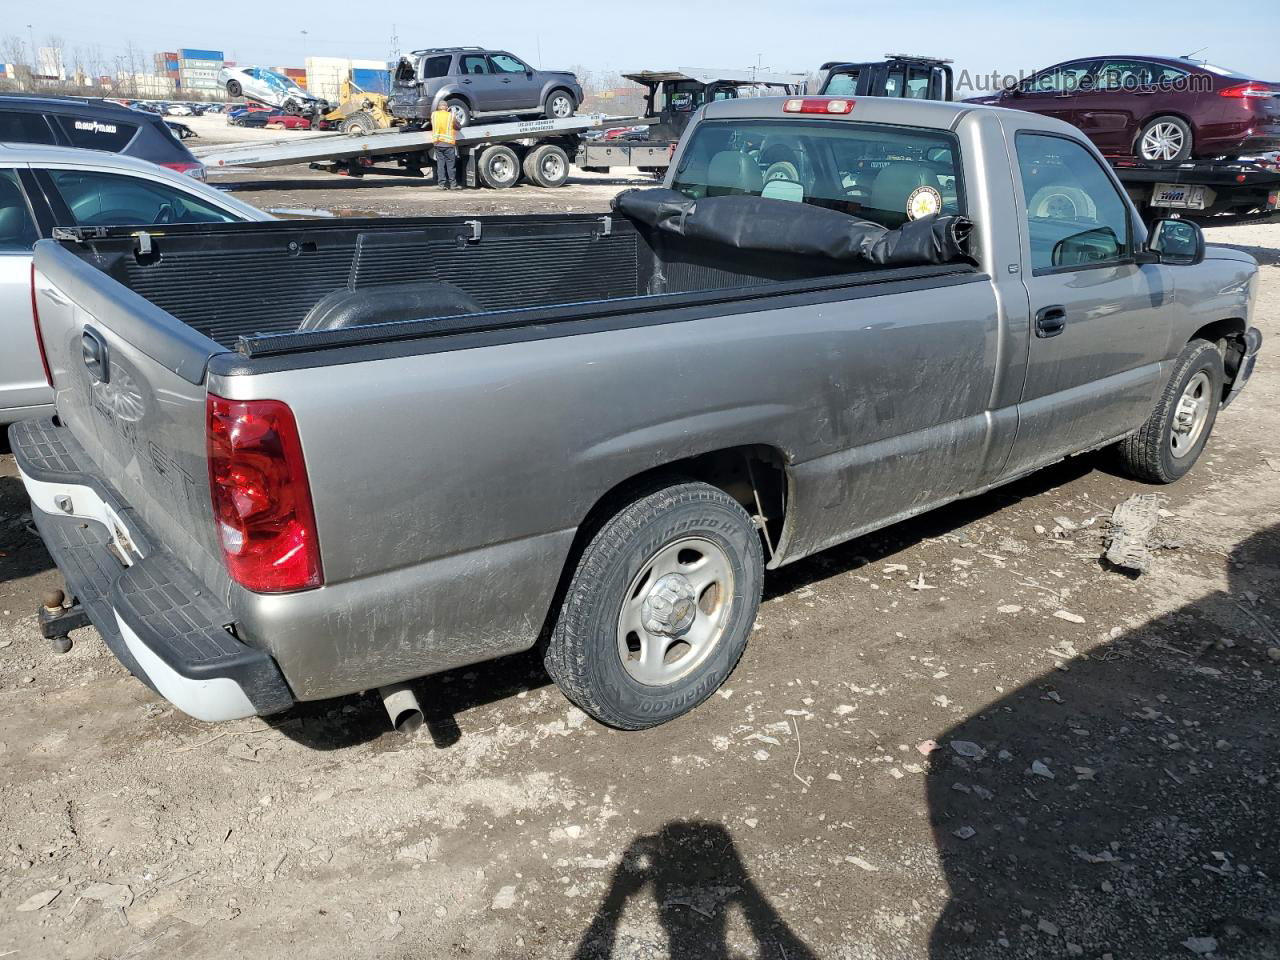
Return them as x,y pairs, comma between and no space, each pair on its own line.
402,708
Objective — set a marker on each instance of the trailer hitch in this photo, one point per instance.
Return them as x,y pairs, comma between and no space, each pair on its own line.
57,619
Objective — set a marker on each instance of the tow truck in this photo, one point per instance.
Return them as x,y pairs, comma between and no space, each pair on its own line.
495,155
1228,190
671,99
499,154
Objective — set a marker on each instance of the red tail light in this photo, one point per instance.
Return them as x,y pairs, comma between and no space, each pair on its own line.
818,105
191,169
35,319
1247,90
261,498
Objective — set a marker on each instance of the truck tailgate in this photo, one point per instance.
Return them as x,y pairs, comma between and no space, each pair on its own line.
129,384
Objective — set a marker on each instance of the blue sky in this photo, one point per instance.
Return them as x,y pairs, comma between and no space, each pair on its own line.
607,35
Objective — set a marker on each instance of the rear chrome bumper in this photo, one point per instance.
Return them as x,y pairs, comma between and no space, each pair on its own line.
153,614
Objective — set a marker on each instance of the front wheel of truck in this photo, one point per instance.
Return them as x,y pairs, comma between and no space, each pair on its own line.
1165,448
659,608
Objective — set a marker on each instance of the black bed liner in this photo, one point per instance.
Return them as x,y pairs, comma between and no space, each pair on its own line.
252,287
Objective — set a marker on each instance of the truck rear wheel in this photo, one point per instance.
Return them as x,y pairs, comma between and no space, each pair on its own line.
547,166
660,607
1166,447
499,167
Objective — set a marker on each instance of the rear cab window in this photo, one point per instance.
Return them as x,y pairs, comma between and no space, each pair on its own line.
886,174
93,134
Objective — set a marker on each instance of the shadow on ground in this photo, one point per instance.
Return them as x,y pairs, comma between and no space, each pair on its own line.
1126,803
696,880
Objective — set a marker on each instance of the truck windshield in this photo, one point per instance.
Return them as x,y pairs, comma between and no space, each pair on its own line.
881,173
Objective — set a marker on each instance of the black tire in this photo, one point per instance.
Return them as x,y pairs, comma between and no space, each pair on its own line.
546,166
584,655
1177,127
499,167
233,88
560,105
461,112
359,124
1148,454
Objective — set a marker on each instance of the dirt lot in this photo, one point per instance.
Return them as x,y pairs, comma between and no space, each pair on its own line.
1104,785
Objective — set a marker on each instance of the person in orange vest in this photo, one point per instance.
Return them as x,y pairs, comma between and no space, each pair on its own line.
445,143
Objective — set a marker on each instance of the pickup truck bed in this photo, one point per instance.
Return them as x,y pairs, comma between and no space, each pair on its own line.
489,271
383,449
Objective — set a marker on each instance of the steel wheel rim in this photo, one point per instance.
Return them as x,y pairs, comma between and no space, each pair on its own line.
1164,141
552,167
459,115
500,169
1190,415
560,106
689,570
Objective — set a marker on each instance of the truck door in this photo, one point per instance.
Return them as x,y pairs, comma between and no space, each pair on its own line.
1098,318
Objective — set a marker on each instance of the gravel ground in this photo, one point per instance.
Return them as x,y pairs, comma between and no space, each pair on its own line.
961,738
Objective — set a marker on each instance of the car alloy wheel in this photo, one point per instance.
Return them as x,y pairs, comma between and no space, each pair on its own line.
1164,141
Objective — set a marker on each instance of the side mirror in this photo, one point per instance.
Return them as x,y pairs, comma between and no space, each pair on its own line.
1174,241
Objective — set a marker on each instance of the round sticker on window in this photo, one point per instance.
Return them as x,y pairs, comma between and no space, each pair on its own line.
923,202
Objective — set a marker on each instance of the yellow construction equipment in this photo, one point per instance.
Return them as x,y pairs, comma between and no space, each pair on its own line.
359,112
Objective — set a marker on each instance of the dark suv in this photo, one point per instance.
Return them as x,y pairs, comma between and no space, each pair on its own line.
1155,108
95,125
476,82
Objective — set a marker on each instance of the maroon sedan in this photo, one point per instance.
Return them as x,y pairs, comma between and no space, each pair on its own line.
1155,108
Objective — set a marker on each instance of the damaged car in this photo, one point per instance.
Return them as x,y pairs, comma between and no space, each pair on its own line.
273,89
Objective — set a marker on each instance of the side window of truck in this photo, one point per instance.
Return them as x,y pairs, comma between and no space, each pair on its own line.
1076,216
17,228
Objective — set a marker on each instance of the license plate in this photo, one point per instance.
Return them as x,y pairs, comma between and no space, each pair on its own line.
1178,196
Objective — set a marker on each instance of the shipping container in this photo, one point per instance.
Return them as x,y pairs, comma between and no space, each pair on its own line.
200,64
190,54
325,74
372,81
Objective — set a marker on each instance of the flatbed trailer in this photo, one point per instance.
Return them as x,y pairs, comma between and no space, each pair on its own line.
489,154
1227,190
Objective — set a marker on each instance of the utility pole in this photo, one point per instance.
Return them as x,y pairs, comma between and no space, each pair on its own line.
35,54
395,44
304,47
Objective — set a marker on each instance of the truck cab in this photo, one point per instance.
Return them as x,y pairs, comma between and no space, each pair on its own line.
899,75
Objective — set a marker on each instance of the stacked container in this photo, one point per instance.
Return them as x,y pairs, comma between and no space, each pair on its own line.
198,70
